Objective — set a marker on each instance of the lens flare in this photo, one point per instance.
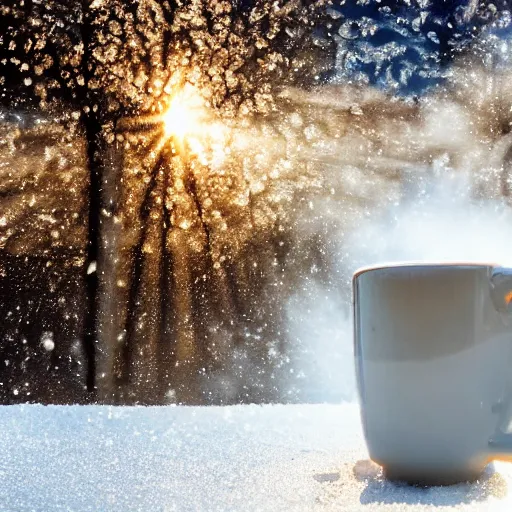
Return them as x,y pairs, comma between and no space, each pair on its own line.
191,126
185,115
188,126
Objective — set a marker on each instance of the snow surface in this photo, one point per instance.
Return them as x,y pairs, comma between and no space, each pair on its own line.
281,457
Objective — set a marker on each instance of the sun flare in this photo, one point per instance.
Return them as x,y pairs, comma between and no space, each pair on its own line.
190,125
185,115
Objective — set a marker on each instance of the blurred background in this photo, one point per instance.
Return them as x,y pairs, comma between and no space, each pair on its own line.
187,186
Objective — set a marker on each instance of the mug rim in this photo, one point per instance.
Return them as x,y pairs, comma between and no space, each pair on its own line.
419,264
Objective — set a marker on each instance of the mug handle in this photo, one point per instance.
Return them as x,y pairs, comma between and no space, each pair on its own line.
501,293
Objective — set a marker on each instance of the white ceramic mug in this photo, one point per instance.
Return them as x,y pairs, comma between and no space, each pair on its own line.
433,347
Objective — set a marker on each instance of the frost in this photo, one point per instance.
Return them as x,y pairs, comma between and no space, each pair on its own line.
349,30
47,218
334,13
433,37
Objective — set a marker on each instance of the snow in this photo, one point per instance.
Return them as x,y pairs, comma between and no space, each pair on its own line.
280,457
47,341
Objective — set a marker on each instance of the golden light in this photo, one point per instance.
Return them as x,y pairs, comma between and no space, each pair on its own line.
191,126
185,115
188,126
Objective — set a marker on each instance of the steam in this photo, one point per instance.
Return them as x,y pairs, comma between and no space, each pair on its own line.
446,224
441,214
441,222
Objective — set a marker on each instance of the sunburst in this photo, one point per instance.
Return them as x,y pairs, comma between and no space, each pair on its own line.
187,126
178,148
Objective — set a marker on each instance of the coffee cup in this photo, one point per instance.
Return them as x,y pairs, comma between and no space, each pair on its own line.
433,348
